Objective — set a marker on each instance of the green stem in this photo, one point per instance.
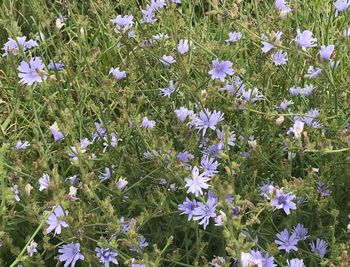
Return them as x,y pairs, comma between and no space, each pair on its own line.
18,258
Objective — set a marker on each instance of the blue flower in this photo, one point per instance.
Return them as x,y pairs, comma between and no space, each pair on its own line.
56,133
267,46
117,73
300,232
313,72
326,52
183,46
32,72
146,123
285,104
284,201
142,245
295,263
341,5
204,212
182,113
54,221
209,166
264,258
234,37
234,85
187,207
103,176
168,91
12,47
319,247
167,60
282,6
123,23
305,40
56,65
44,181
280,58
251,95
106,256
184,157
286,242
307,90
221,69
31,248
70,253
323,189
207,119
266,189
22,145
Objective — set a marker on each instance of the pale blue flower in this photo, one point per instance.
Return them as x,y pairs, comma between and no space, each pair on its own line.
234,37
168,91
22,145
56,133
31,248
295,263
282,6
326,52
252,95
15,191
280,58
209,166
54,221
319,247
264,258
286,242
284,201
234,85
207,120
13,46
44,181
160,36
313,72
32,71
56,66
323,189
305,39
117,74
267,45
301,232
221,69
203,212
182,113
184,157
106,256
70,254
285,104
167,60
187,207
341,5
307,90
183,46
123,23
294,91
148,124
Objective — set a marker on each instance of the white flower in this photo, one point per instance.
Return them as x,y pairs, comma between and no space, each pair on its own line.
197,183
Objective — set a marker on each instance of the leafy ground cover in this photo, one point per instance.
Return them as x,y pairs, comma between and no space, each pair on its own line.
175,133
